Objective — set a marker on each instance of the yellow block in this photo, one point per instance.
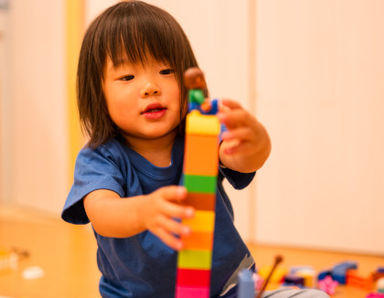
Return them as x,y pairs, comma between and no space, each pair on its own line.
194,259
277,275
203,221
202,124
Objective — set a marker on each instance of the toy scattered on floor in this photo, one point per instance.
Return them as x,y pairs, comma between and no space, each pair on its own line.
328,285
249,283
339,272
246,286
307,273
9,258
200,175
33,272
375,295
380,285
327,280
278,260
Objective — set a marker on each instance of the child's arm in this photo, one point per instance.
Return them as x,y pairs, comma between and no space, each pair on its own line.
112,216
246,144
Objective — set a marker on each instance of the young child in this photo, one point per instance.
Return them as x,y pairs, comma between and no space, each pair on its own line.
132,104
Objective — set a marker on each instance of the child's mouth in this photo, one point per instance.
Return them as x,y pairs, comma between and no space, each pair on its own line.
154,111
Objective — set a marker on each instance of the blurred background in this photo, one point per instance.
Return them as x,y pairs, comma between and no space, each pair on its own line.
311,71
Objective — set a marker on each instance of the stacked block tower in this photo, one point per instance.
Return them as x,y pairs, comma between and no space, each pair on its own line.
200,176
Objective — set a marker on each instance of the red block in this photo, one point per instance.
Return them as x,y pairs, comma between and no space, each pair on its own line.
193,278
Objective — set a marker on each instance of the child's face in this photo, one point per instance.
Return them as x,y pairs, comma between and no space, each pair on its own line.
142,100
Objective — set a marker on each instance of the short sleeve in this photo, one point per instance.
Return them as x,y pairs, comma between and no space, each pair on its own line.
94,169
236,179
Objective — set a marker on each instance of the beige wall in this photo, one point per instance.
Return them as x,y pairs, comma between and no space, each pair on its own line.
320,72
4,52
37,106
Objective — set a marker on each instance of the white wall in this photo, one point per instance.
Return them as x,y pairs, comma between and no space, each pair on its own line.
320,73
37,105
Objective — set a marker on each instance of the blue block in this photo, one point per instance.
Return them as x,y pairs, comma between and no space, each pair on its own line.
324,274
340,270
380,270
246,288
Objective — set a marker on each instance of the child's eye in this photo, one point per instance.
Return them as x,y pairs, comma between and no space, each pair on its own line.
127,78
166,71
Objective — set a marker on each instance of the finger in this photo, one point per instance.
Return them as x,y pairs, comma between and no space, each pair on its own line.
172,226
234,118
231,146
241,133
169,239
229,103
174,210
173,193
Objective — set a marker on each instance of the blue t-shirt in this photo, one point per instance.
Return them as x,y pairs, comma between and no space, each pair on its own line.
142,265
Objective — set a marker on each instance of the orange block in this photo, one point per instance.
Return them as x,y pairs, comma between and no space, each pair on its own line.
201,155
200,201
355,280
198,240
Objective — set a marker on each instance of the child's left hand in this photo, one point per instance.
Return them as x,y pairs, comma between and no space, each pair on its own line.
246,144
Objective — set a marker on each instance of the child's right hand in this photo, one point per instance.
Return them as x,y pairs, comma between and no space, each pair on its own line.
161,211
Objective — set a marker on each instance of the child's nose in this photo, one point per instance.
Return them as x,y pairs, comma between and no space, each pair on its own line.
150,89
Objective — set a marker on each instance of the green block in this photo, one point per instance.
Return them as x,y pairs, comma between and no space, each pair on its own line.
201,184
194,259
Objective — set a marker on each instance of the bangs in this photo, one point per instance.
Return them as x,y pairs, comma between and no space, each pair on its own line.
134,34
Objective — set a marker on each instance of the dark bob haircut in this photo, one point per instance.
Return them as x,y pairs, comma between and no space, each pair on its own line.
130,30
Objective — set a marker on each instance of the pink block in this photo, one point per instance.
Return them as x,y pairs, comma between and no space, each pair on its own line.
375,295
185,292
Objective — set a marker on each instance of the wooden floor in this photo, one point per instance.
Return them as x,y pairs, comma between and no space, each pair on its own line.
66,253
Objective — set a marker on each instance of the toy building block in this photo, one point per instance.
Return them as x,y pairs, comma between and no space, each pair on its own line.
307,272
201,201
198,124
324,274
195,278
380,285
380,269
377,275
309,277
340,270
328,285
198,240
194,259
355,280
201,151
8,260
246,287
293,280
200,184
191,292
375,295
201,159
203,221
